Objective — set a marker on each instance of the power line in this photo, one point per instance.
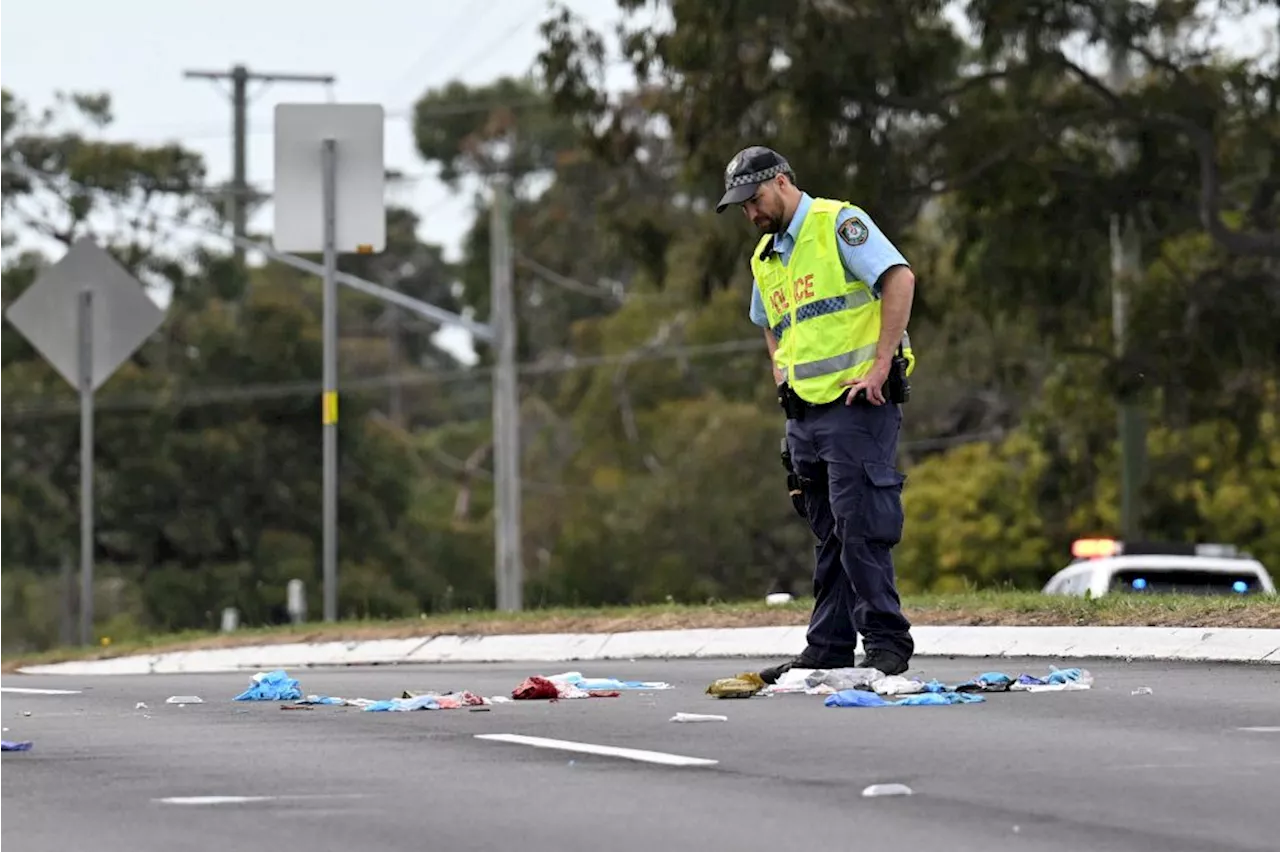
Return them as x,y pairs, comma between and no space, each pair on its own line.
282,390
445,32
488,46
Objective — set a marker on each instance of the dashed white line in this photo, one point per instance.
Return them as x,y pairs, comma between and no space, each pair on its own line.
1274,729
27,690
640,755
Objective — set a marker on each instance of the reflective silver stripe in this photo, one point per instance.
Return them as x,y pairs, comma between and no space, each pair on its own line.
840,363
836,363
858,298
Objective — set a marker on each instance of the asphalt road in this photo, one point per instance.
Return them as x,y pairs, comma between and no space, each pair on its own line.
1104,769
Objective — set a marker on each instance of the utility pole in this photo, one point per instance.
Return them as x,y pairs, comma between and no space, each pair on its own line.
508,562
394,318
240,76
1126,267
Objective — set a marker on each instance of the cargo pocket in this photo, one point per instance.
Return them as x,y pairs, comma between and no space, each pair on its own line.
882,505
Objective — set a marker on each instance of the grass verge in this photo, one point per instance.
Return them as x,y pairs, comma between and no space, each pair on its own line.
975,608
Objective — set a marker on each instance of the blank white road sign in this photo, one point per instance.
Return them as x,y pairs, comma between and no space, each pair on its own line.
357,131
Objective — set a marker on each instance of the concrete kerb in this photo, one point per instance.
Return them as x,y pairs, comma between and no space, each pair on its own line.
1136,643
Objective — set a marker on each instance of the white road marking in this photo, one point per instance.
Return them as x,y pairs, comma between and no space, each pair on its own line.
213,800
240,800
641,755
25,690
1262,730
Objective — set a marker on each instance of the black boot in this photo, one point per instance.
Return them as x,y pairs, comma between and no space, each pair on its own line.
803,661
886,661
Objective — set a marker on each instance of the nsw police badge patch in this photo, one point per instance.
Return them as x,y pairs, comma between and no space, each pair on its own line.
853,231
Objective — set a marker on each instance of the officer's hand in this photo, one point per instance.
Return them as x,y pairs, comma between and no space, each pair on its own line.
872,383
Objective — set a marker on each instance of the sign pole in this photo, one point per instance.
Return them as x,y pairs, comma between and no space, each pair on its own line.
85,315
329,416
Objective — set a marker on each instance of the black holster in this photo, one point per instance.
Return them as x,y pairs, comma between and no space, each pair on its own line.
794,482
896,387
792,405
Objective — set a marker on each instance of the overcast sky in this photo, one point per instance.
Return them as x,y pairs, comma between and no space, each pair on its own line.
383,51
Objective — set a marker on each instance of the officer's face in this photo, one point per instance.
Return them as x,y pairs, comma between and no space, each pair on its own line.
765,209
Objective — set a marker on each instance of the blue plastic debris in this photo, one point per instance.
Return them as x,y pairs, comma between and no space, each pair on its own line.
12,746
400,705
271,686
321,699
862,698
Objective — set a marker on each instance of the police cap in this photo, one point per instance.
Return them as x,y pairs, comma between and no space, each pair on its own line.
749,168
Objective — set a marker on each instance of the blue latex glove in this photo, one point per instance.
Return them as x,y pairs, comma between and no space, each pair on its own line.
1065,675
986,682
855,698
273,686
400,705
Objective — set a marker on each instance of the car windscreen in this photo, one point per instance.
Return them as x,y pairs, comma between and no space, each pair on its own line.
1184,582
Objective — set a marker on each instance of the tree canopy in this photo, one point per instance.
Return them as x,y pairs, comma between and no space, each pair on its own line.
995,143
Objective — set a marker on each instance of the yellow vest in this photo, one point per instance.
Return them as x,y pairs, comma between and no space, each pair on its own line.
827,328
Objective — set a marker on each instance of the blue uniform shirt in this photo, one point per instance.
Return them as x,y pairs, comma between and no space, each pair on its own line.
866,261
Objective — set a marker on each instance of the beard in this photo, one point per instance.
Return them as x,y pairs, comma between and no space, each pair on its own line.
768,224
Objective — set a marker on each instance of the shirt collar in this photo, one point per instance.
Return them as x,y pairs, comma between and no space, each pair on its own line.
797,221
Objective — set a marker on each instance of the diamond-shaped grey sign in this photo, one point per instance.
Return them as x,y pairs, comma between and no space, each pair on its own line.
47,314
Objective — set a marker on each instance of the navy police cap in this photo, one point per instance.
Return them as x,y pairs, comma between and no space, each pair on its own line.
749,168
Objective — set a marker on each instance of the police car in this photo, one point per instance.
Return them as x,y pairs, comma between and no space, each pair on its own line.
1103,566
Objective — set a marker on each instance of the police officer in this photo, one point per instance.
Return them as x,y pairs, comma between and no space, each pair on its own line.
833,296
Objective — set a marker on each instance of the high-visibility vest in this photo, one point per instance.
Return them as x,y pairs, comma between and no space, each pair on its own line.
827,327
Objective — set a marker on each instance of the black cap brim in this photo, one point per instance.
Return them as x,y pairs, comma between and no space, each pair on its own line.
736,195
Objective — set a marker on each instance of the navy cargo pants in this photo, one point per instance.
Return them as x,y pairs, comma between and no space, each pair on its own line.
845,455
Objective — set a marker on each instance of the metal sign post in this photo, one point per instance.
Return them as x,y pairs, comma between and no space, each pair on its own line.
86,315
323,152
328,168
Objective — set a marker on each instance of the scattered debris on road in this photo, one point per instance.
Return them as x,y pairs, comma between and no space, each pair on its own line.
1142,690
16,746
184,700
831,682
